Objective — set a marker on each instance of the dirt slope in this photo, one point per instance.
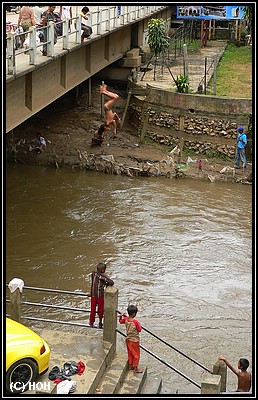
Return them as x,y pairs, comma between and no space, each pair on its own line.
69,131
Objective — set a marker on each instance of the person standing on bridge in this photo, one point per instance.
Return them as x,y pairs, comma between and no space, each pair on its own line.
111,118
66,13
25,20
48,16
37,14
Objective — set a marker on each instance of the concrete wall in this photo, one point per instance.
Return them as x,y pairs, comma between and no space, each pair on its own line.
206,123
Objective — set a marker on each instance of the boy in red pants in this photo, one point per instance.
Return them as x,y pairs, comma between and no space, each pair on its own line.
133,327
99,280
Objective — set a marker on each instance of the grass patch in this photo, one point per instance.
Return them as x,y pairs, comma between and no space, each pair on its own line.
234,72
239,54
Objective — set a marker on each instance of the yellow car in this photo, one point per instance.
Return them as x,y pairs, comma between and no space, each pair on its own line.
27,355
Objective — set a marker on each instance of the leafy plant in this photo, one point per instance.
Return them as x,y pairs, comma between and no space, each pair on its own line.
188,152
182,84
158,41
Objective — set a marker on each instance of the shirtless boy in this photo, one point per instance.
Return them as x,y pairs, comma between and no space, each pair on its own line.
244,377
111,118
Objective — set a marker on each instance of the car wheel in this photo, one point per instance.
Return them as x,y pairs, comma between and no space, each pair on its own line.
20,374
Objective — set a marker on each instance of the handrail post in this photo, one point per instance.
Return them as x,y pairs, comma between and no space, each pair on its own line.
108,19
122,15
15,286
78,29
32,44
10,53
220,368
110,314
129,14
211,385
99,25
65,29
50,39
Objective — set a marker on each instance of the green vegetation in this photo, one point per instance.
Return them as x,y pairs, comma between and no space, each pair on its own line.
188,152
241,55
234,72
217,154
181,84
193,45
157,38
209,154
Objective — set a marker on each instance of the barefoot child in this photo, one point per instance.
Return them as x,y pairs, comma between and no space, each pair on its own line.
99,280
244,377
111,118
133,327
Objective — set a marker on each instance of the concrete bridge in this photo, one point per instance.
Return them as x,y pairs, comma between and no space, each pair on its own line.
34,81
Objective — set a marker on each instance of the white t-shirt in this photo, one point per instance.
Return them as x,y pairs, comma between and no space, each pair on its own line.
65,12
37,14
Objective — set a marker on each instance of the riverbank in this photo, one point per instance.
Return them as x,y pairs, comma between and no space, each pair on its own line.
68,131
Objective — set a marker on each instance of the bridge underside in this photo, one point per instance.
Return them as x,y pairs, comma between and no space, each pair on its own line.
34,90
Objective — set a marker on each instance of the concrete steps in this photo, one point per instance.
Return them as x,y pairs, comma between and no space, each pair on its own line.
152,385
114,376
95,353
106,371
118,380
133,383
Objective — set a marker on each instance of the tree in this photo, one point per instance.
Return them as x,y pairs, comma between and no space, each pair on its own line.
158,40
248,17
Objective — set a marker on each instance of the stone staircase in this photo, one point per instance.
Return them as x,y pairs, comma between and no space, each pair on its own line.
106,370
117,379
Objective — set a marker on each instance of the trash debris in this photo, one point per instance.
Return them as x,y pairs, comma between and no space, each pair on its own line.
226,169
211,178
190,160
175,151
108,158
183,167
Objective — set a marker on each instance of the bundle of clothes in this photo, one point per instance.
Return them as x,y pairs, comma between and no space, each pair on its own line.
62,376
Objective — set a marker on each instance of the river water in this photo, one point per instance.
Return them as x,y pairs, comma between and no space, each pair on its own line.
179,249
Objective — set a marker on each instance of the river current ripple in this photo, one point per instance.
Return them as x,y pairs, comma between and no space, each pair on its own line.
179,249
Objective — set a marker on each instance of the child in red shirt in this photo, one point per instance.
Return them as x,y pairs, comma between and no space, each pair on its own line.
133,327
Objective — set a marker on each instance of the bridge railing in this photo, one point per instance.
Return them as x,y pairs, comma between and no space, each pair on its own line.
101,21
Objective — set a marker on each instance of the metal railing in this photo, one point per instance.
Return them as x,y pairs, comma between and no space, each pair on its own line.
77,309
165,362
60,307
102,21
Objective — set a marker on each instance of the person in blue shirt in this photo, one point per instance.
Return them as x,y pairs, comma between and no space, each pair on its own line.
240,148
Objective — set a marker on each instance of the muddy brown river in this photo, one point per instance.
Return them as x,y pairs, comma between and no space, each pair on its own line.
180,249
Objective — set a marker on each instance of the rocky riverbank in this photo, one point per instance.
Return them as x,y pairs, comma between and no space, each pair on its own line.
68,131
